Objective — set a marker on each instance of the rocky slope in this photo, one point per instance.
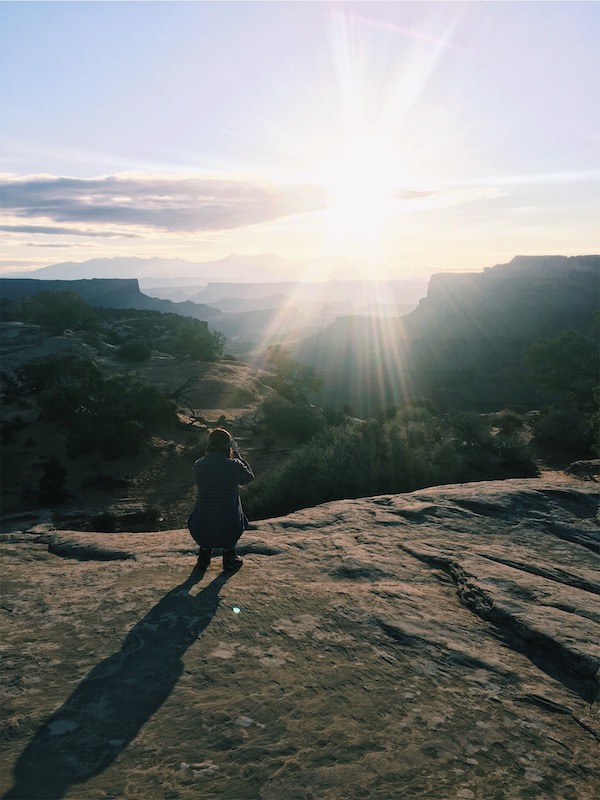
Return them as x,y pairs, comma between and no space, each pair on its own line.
462,345
439,644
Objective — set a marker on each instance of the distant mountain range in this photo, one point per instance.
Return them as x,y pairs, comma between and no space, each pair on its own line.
346,296
233,268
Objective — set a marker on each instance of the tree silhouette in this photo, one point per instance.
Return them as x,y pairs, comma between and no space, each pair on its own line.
291,379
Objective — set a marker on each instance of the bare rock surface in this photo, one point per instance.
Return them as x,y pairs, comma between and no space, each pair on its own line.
438,644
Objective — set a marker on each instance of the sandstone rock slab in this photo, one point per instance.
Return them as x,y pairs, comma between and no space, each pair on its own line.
438,644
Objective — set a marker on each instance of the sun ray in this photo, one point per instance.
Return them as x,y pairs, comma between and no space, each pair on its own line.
372,160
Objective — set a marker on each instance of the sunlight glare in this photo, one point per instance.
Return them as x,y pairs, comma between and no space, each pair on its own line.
362,179
380,140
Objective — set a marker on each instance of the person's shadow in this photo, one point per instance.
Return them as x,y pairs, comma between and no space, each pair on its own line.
112,703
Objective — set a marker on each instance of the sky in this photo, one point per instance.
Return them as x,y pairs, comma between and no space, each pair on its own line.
415,135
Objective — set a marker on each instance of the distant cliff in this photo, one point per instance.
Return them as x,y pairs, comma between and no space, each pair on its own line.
528,297
105,293
462,345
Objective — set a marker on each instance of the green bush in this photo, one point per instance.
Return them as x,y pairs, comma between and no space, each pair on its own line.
118,417
334,415
290,379
515,459
112,415
291,421
563,430
60,372
566,369
485,456
412,450
135,350
59,311
193,339
509,421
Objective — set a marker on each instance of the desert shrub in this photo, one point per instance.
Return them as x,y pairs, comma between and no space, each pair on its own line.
388,411
137,332
305,479
517,408
295,421
135,350
193,339
290,379
485,456
13,387
515,458
509,421
566,369
118,417
113,415
52,482
334,415
59,311
351,461
563,430
61,372
412,450
475,446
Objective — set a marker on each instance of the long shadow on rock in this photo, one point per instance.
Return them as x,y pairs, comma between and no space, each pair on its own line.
110,706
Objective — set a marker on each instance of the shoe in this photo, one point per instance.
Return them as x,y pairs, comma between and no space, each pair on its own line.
203,559
231,560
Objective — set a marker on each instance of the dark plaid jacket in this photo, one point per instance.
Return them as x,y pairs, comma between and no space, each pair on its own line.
218,519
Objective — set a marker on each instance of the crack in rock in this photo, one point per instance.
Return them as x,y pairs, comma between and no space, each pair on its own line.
556,657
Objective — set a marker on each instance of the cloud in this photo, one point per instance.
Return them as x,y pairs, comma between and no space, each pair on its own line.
414,194
487,187
432,199
174,204
59,245
51,229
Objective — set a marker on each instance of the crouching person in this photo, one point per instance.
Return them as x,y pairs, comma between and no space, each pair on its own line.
218,519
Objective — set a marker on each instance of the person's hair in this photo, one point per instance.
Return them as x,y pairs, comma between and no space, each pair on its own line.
219,441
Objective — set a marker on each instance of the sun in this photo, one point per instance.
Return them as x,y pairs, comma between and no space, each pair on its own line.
361,176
